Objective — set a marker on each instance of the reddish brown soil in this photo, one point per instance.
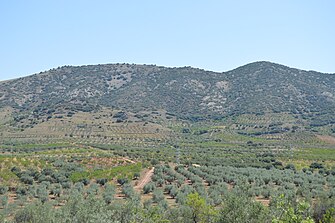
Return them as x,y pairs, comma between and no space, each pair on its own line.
327,139
263,201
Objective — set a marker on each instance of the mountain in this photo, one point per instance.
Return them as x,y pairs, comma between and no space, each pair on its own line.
186,92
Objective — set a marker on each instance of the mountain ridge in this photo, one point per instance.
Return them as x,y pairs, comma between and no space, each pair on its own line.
173,67
189,93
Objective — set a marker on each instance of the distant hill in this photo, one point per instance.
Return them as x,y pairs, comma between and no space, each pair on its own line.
188,93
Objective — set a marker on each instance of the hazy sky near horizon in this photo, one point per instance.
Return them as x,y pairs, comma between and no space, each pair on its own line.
220,35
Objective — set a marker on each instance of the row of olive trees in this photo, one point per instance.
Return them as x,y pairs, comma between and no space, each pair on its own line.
234,208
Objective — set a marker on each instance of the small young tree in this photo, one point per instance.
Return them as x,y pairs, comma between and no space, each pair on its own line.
108,194
149,187
57,190
128,190
157,195
93,189
42,193
174,191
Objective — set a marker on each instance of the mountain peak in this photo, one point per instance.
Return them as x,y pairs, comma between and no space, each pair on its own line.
262,65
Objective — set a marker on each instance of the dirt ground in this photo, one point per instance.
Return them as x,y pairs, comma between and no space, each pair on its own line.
327,139
144,179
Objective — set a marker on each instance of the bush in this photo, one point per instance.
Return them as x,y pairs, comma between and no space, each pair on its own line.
102,181
316,166
85,181
136,176
21,191
27,179
122,181
154,162
3,189
149,187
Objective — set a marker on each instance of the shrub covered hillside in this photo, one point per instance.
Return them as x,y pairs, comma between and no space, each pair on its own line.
190,93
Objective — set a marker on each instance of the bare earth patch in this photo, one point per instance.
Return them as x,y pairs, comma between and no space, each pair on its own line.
264,201
327,139
144,180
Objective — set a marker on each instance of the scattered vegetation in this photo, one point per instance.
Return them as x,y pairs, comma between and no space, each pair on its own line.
219,149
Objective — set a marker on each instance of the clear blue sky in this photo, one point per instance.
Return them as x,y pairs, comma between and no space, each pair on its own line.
214,35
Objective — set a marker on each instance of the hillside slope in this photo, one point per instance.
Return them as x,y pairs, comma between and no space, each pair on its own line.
189,93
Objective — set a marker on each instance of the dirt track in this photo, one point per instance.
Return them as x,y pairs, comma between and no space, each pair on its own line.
145,179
